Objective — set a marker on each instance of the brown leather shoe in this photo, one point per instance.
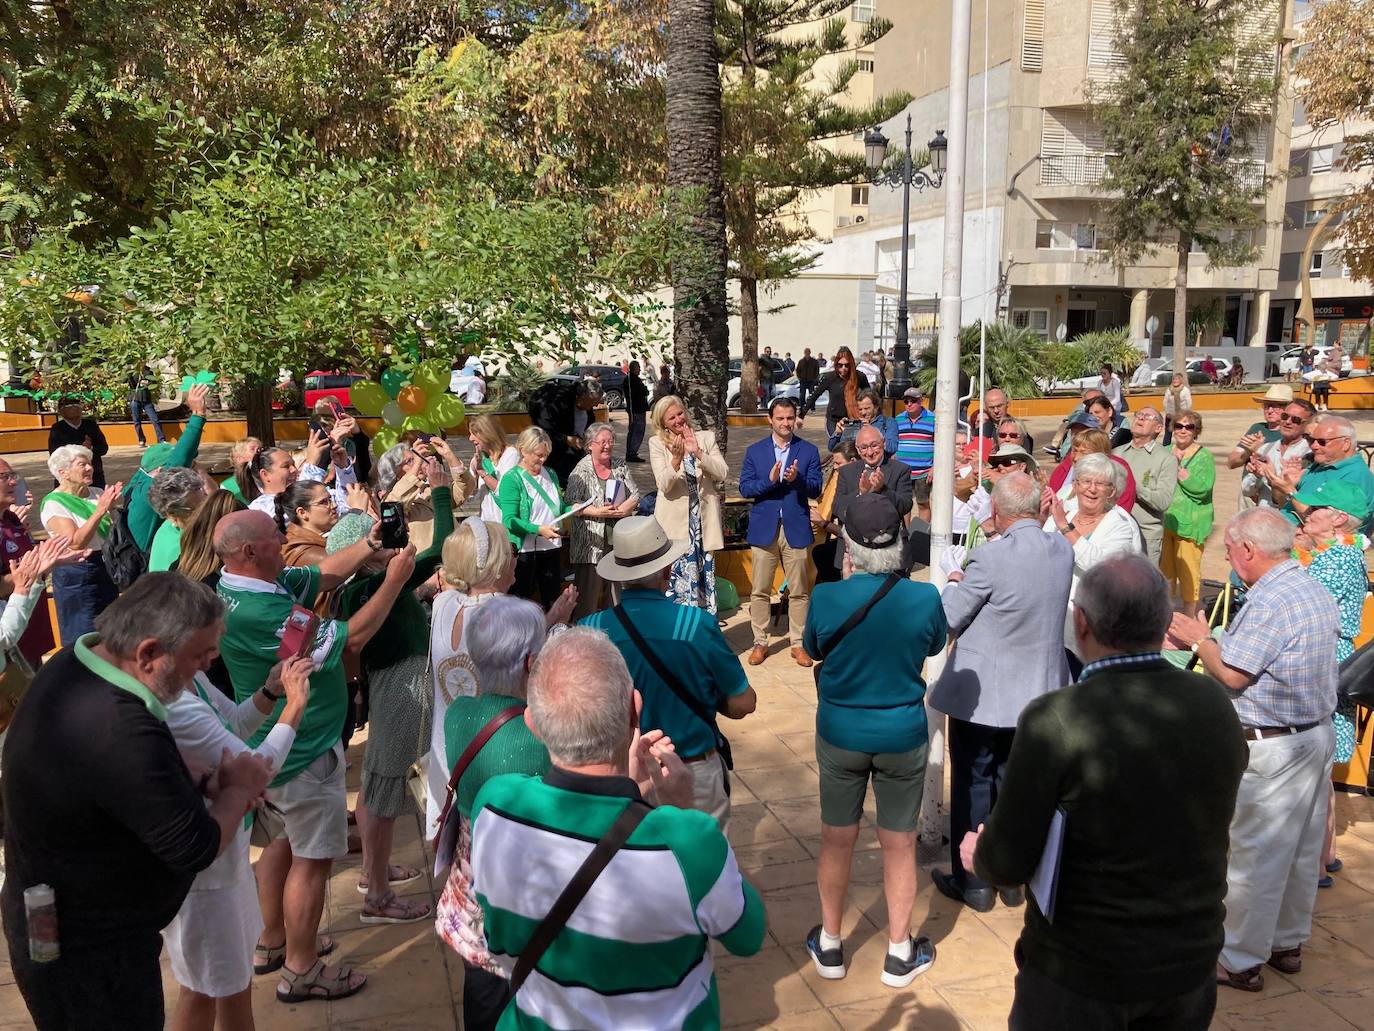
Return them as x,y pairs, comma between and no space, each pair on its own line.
757,656
801,658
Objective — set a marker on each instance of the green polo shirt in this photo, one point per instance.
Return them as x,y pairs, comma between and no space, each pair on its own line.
166,547
255,617
687,640
1264,431
1352,470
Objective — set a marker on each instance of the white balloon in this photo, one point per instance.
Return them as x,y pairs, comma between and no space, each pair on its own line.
392,414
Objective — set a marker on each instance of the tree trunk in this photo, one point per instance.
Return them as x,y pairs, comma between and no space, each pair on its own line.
749,344
257,405
1185,244
701,338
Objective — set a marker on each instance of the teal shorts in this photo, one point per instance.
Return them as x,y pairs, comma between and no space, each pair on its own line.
898,781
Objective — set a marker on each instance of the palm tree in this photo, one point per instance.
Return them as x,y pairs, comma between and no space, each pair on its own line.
701,337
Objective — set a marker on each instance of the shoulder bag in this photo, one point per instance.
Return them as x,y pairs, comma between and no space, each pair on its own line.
854,620
15,679
447,833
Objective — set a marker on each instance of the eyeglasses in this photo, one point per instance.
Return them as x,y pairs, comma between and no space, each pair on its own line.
1295,420
871,446
1185,426
1310,510
11,477
1014,435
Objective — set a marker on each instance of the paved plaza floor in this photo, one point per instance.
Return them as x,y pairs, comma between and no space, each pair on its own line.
416,981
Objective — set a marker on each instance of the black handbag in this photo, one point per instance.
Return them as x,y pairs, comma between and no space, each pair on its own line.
1356,677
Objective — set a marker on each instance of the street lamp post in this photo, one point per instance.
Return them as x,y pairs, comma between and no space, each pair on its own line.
875,153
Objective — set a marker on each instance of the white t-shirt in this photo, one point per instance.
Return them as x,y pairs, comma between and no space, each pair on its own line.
476,391
1112,389
486,497
53,508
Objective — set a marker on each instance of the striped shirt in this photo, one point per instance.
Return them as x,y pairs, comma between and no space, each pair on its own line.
916,442
636,951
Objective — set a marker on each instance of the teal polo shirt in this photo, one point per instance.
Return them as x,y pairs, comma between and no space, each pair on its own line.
687,641
871,696
1352,470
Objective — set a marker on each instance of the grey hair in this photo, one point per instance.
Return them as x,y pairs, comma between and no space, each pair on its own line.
1016,494
582,699
1125,601
595,430
1270,533
391,466
874,560
174,491
61,460
166,607
1343,427
501,634
1102,469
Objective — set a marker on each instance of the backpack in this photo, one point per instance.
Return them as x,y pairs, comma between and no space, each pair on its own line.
124,559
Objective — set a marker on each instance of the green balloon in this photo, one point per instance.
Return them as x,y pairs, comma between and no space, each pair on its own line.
368,397
392,382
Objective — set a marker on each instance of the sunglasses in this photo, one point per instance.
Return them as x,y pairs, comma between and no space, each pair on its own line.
843,365
1296,420
1009,436
1185,426
1320,441
1311,510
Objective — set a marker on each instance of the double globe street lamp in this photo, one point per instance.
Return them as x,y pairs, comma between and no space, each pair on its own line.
875,154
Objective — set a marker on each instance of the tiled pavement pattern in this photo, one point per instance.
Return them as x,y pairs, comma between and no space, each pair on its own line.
416,981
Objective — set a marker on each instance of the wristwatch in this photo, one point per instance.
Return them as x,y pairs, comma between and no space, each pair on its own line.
270,696
1068,529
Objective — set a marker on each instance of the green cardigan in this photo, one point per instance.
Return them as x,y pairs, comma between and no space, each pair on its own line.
143,521
1189,515
515,503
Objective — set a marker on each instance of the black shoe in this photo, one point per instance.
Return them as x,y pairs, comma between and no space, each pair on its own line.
980,900
829,962
1012,897
633,458
898,973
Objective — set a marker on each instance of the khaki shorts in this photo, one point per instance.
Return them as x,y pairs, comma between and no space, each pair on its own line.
314,806
898,781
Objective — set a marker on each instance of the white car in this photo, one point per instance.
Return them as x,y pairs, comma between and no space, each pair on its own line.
1288,360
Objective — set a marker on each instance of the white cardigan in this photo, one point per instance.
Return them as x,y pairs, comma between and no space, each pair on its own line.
1117,534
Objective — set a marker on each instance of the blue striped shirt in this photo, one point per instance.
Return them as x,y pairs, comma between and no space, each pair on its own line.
916,441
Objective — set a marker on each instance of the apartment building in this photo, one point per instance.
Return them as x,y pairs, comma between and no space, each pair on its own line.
1032,251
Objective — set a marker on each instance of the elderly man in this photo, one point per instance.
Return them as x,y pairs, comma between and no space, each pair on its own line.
1278,661
782,473
1267,431
1156,476
262,597
871,723
994,415
916,442
74,426
681,664
635,949
1132,935
15,543
1006,617
873,473
100,807
1334,457
1274,469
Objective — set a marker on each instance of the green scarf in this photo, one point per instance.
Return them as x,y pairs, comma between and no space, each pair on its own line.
82,508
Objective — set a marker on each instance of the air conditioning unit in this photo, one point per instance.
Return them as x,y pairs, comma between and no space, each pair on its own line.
858,218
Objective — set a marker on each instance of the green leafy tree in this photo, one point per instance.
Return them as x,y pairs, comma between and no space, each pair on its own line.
779,110
1012,359
1190,96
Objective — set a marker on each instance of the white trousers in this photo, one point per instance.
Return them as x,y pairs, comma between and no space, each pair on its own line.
1276,843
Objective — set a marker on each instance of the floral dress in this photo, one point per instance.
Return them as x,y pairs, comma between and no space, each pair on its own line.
1339,566
693,577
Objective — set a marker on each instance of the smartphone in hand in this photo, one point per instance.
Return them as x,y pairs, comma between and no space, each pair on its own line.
394,531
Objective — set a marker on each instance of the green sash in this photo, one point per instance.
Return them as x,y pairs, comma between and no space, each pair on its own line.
82,508
488,467
555,506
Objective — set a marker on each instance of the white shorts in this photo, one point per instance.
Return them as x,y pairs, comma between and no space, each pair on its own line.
210,941
315,807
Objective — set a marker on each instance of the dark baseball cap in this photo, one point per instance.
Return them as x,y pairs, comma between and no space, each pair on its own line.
872,521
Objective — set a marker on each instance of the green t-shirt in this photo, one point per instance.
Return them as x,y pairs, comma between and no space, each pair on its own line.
1269,435
253,623
232,486
166,547
512,749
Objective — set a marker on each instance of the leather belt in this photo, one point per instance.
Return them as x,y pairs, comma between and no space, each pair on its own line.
698,758
1261,733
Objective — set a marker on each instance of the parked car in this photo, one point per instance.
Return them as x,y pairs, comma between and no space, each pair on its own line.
780,375
1164,375
319,385
1288,360
611,378
791,387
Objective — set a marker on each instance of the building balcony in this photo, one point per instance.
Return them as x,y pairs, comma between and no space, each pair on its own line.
1091,169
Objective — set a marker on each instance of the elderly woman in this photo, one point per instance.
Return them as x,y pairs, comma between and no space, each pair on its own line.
1188,519
688,471
1090,442
492,458
609,495
532,507
1177,398
80,513
503,639
401,477
210,942
1095,525
868,411
175,495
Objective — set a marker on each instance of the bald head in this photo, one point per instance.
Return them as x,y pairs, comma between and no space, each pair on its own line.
249,544
1123,604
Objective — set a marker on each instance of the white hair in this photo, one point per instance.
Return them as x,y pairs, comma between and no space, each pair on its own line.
582,699
1103,470
1269,533
500,636
1343,427
391,466
874,560
61,460
1017,495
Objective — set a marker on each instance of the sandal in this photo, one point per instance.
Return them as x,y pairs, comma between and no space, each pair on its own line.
396,875
313,984
269,959
1246,980
392,910
1287,961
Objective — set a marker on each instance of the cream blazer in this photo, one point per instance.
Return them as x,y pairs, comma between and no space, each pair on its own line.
671,510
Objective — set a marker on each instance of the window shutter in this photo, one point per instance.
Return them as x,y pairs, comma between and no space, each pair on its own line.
1033,36
1102,51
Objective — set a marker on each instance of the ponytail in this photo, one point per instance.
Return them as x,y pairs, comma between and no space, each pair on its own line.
296,496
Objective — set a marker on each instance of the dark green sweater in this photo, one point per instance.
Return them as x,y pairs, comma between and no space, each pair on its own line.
1145,762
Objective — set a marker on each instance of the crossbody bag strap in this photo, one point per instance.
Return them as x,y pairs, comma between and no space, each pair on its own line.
470,753
575,891
858,616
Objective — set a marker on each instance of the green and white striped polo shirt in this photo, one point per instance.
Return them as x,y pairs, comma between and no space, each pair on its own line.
635,953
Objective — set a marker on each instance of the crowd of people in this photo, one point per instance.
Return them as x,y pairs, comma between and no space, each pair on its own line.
550,680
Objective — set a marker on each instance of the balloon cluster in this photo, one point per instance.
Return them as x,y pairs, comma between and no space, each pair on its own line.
415,400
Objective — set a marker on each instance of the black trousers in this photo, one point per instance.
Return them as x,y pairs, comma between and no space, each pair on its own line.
538,576
117,986
485,996
977,755
1044,1005
635,438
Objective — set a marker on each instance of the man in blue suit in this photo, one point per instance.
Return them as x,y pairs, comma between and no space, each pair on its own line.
781,473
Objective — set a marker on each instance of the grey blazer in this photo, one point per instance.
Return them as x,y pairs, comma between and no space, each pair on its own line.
896,485
1007,615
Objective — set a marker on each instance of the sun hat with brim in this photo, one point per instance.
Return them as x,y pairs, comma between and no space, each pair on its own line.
156,457
872,521
1013,452
639,547
349,530
1337,494
1278,394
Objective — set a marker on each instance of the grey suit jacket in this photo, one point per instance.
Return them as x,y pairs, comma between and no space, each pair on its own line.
1007,615
896,485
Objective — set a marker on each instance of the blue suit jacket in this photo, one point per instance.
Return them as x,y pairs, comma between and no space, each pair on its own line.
781,501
